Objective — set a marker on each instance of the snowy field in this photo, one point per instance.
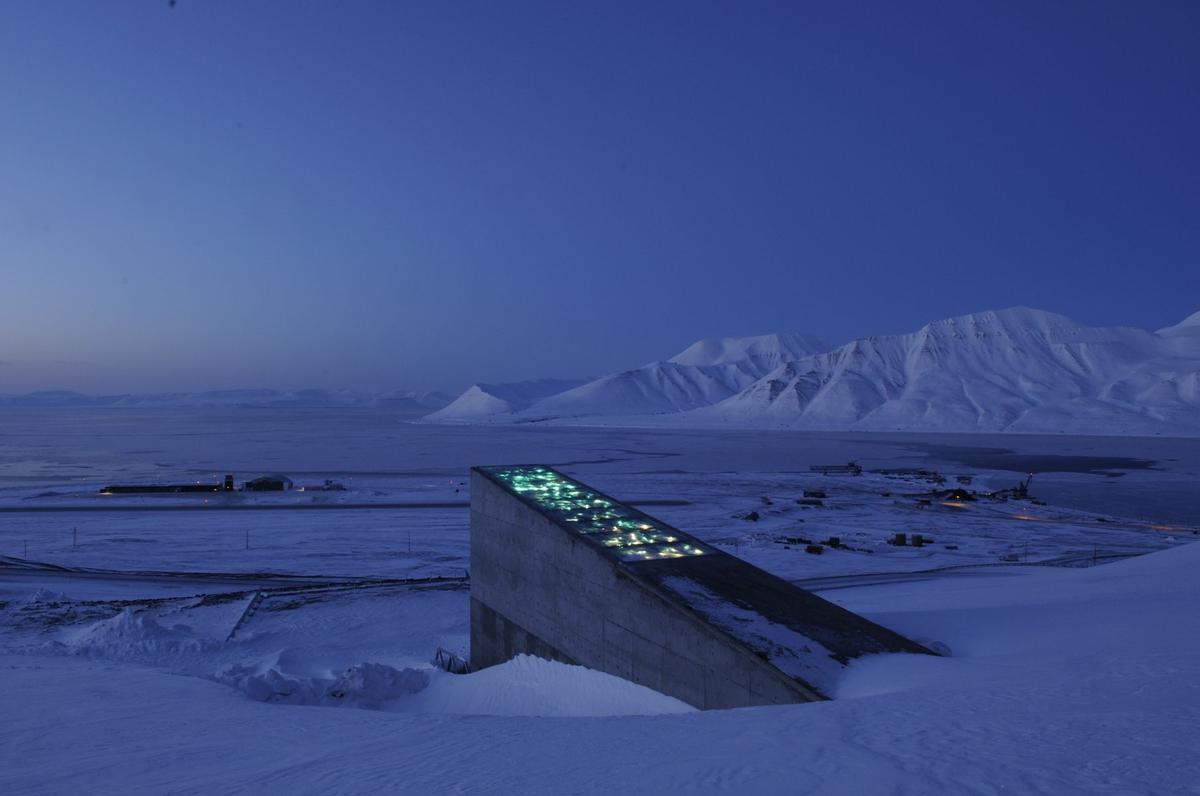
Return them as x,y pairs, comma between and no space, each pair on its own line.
139,659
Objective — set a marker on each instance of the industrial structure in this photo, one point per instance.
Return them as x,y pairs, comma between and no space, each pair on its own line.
268,483
564,572
264,483
151,489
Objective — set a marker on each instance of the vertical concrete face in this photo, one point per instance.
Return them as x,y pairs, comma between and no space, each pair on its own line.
543,589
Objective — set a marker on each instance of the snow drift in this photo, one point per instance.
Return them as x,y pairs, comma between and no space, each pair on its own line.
524,686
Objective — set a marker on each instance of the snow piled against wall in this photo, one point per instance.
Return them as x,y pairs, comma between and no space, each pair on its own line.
525,686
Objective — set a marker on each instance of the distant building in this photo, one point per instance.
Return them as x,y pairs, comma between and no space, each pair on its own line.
268,483
155,489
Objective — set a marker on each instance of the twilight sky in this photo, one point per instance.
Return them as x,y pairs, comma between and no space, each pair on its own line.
389,195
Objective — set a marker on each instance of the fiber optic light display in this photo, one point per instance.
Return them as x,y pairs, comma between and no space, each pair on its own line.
629,534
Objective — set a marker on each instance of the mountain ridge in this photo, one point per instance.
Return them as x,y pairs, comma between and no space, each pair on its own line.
705,372
1016,369
484,401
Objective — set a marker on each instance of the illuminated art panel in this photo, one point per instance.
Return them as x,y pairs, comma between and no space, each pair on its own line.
626,532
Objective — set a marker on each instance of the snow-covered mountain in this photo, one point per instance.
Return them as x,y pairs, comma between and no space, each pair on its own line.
706,372
762,353
1018,369
1189,327
487,402
703,374
1010,370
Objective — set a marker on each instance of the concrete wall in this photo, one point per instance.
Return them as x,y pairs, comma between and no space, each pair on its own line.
540,589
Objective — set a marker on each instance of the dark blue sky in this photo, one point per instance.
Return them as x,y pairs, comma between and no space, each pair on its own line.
385,195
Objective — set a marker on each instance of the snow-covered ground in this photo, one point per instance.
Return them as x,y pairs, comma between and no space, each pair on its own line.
159,671
1060,681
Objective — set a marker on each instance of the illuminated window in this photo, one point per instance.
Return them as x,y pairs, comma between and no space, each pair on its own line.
626,532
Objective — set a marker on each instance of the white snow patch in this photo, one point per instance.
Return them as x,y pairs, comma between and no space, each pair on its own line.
39,597
763,352
524,686
131,634
529,686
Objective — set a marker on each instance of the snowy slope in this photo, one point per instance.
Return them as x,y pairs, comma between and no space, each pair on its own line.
484,402
762,353
1060,681
1188,327
706,372
1009,370
660,387
703,374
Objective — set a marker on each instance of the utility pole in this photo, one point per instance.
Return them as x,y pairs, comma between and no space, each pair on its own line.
74,537
247,538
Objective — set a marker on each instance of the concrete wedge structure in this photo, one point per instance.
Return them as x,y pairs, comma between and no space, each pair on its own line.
562,571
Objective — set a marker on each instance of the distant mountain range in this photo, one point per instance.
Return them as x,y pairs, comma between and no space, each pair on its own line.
406,401
1019,370
481,402
705,373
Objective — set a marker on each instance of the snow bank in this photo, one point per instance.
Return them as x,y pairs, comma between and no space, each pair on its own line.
1132,615
375,686
130,634
39,597
525,686
528,686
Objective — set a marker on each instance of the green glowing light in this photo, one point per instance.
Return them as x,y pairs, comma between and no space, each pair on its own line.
629,534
